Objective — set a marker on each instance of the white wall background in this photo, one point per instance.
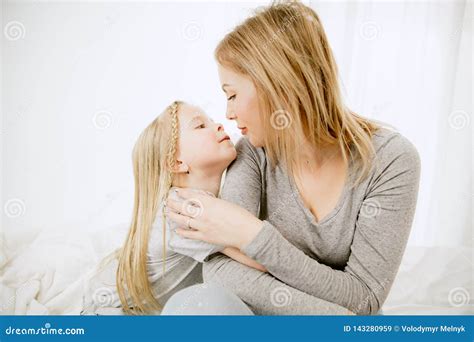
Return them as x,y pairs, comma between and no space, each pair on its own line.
81,80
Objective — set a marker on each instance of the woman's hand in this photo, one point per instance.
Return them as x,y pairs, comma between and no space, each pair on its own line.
212,220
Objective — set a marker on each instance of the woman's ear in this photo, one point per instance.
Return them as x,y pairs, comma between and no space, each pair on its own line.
180,167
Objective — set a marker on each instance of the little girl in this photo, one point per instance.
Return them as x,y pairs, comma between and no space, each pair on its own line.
182,147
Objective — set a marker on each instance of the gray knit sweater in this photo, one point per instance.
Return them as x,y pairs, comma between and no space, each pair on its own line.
349,259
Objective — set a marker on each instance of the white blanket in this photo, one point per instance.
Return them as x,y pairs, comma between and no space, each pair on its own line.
47,274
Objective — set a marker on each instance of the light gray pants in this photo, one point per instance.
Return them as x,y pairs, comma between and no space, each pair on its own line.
205,299
222,293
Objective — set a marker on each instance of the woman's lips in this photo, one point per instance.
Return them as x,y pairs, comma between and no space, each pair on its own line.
243,130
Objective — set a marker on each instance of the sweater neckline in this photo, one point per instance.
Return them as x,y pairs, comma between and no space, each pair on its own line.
337,207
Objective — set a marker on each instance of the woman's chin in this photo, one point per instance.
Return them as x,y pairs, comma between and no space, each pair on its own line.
255,142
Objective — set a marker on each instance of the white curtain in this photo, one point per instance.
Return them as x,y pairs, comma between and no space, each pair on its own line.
409,64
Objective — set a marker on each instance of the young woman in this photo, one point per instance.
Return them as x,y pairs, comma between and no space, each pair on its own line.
321,197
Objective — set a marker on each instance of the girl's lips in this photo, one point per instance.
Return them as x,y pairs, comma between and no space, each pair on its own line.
224,139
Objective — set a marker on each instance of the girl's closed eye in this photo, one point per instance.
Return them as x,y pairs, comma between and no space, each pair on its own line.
201,126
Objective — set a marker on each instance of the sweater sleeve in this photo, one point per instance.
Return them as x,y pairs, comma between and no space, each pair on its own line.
263,292
381,233
243,180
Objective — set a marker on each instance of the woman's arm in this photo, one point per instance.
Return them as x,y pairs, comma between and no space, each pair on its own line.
237,255
378,244
265,294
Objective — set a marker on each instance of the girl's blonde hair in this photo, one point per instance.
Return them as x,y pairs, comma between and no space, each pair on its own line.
153,162
284,50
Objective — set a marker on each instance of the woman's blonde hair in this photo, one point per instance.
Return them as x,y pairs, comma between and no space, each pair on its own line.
284,50
153,162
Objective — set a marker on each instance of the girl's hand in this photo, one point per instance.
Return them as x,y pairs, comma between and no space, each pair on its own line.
212,220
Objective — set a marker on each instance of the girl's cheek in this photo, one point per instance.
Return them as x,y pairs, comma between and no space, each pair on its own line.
211,138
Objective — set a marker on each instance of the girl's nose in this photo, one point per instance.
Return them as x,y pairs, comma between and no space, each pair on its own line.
230,114
220,127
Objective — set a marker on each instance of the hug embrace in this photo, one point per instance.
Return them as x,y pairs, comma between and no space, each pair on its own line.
309,213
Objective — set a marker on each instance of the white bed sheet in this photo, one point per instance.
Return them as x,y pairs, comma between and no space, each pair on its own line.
45,274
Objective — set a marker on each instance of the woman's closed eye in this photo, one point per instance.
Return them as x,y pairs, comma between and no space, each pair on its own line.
231,97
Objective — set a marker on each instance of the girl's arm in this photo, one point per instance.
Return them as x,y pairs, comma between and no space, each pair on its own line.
237,255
